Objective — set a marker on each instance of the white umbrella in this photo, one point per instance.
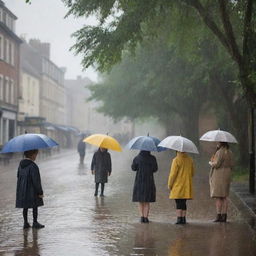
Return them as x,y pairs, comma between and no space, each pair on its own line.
219,136
179,143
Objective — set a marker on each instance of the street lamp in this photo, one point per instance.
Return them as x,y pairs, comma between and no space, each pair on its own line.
252,152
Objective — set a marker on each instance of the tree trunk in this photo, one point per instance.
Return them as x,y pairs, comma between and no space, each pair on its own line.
191,126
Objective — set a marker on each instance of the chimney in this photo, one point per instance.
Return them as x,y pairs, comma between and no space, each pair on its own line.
42,48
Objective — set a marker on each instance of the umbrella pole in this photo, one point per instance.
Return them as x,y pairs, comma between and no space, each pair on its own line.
252,152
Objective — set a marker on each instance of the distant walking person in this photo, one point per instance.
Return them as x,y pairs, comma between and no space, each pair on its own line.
29,193
180,184
81,147
220,179
101,167
144,190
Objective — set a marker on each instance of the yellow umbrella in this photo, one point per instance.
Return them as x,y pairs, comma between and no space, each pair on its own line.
103,141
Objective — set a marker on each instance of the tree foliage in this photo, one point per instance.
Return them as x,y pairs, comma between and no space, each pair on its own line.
122,26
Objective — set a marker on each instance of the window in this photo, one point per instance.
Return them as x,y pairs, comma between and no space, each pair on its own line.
1,87
1,46
10,52
4,17
5,49
10,92
6,89
13,55
28,89
1,14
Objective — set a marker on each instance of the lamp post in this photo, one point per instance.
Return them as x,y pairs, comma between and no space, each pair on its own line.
252,152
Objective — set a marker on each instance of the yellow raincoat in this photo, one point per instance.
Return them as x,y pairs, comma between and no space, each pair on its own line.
180,178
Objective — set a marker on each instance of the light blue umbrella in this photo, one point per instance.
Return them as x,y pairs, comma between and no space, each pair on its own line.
146,143
28,141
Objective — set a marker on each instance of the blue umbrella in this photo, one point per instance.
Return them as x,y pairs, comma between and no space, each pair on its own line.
28,141
146,143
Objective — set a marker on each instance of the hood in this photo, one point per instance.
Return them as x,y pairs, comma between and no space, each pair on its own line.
25,162
144,153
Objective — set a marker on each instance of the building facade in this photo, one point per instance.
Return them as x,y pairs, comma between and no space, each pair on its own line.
9,74
29,93
52,93
42,94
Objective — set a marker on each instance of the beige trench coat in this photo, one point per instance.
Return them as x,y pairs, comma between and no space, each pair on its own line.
220,174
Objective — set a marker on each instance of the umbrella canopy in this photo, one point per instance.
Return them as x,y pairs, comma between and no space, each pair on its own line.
179,143
103,141
27,142
147,143
219,136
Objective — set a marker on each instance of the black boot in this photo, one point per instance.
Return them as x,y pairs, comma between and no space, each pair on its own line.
26,225
223,217
146,220
142,220
37,225
218,218
96,189
184,220
179,220
102,189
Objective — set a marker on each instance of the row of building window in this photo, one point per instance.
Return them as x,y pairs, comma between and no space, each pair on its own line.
53,71
7,92
6,18
7,50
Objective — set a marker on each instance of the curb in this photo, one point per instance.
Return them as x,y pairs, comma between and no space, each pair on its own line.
245,211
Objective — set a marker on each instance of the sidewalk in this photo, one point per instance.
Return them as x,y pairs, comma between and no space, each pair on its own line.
245,203
42,156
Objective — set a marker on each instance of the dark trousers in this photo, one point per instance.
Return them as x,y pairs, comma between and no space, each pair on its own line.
25,214
181,204
97,188
81,158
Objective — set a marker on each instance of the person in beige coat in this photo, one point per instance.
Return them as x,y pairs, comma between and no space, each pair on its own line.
220,179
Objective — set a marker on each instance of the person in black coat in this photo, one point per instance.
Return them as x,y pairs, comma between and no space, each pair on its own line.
144,190
101,168
81,147
29,192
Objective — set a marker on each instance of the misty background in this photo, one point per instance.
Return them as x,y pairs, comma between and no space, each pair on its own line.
49,25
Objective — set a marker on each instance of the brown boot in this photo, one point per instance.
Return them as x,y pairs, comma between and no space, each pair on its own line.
218,218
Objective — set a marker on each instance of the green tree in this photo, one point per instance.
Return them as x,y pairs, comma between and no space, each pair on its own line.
158,83
122,25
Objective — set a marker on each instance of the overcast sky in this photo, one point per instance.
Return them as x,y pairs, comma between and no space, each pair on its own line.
44,20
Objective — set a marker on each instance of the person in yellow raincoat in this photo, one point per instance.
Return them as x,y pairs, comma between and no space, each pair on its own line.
180,183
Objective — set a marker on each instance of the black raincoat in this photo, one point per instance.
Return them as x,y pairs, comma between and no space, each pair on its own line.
101,164
28,185
144,189
81,147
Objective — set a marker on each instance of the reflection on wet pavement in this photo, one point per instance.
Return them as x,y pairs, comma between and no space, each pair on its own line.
77,223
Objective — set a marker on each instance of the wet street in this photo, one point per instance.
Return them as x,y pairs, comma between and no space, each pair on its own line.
79,224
